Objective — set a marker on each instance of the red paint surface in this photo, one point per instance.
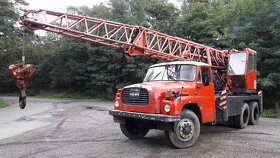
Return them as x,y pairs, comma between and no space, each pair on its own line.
201,95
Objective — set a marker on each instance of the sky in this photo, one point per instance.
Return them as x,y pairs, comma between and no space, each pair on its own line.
61,5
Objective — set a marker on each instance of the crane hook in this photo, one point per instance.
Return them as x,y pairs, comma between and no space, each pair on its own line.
22,73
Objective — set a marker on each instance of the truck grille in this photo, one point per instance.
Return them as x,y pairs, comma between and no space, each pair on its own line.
135,96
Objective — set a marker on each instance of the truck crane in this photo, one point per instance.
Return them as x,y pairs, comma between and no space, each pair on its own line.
197,85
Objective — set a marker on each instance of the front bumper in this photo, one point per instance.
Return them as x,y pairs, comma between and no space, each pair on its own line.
145,116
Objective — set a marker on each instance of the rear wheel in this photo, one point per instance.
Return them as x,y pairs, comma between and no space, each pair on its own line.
254,113
134,129
231,121
186,131
241,121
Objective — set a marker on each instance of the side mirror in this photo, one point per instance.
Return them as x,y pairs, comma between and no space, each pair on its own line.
199,85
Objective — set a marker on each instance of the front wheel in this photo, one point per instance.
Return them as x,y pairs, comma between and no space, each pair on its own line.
186,131
134,129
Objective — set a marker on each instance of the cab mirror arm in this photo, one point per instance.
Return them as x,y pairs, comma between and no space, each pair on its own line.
198,85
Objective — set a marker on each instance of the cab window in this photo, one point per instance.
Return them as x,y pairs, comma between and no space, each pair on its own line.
206,78
199,76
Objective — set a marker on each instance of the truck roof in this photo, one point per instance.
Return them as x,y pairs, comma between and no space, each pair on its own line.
181,63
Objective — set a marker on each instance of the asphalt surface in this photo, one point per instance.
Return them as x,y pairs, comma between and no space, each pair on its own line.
67,128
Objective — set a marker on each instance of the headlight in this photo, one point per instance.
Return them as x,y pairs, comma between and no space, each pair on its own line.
167,108
117,103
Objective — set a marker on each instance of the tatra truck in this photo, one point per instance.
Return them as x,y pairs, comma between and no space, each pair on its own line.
196,84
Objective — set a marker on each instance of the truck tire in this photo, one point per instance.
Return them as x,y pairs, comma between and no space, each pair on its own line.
186,131
254,113
241,121
231,121
134,129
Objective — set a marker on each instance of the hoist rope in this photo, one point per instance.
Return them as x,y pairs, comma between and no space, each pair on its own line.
23,55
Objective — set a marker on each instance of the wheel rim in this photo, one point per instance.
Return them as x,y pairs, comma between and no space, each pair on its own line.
185,129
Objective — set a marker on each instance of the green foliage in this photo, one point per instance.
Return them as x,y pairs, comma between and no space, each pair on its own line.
10,40
272,112
162,15
259,30
77,66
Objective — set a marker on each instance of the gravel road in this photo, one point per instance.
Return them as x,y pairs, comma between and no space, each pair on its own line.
67,128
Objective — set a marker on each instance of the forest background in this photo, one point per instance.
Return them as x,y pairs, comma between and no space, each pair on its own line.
79,68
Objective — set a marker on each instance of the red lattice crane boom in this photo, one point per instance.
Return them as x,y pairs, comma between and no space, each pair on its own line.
134,40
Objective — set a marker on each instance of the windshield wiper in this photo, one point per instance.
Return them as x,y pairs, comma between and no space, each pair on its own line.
156,76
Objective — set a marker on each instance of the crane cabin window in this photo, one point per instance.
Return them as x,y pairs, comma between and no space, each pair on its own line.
252,63
237,63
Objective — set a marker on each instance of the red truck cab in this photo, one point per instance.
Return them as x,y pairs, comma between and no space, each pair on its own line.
168,89
156,94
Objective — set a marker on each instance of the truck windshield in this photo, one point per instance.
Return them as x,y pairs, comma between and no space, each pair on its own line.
171,72
237,63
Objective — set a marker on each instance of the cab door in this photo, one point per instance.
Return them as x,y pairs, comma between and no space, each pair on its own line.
205,94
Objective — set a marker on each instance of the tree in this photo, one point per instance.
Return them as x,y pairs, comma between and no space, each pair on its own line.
162,16
75,65
10,40
260,31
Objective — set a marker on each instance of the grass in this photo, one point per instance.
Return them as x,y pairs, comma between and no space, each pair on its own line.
9,94
271,113
273,108
2,103
65,95
57,95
